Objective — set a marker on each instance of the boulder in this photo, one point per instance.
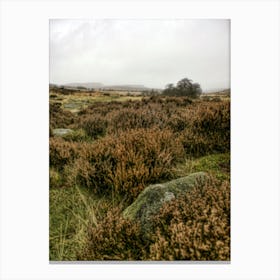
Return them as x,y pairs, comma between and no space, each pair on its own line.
62,131
149,202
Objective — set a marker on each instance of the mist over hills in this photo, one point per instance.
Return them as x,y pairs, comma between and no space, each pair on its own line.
86,85
95,85
125,87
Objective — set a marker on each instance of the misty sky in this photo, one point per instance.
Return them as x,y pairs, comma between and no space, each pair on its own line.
146,52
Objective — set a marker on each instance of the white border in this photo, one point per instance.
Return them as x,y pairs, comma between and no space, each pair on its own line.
255,138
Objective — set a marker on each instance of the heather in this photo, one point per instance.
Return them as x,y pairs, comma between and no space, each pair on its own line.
116,149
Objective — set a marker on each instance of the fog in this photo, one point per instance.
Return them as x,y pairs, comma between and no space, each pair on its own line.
146,52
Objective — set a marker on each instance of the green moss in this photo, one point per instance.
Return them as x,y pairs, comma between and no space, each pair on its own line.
215,162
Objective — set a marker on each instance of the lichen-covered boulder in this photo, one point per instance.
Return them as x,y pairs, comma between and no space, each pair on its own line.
149,202
62,131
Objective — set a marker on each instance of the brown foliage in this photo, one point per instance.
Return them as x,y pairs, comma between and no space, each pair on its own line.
208,129
61,152
126,162
114,238
94,125
195,226
119,148
137,143
148,113
59,117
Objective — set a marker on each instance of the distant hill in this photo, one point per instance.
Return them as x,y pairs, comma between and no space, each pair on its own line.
126,87
215,90
108,87
85,85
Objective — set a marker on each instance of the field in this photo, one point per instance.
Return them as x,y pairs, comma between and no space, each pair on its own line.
113,146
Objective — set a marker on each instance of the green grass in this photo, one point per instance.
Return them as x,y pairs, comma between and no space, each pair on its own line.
75,103
217,165
73,211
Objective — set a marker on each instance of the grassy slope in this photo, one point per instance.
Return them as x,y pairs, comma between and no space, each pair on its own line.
72,212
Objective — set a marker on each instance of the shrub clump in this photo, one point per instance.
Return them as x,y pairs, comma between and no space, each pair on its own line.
125,163
114,238
60,117
61,152
95,126
208,129
195,226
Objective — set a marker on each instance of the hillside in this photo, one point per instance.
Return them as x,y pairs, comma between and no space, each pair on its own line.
97,85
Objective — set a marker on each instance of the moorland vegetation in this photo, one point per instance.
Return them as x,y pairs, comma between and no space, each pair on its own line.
118,148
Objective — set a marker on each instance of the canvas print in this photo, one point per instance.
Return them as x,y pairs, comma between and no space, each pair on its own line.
139,140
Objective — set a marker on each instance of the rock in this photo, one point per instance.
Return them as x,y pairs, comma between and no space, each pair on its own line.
149,202
62,131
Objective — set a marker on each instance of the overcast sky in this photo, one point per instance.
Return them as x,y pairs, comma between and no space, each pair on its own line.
147,52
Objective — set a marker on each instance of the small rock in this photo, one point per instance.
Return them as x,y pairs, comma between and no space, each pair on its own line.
62,131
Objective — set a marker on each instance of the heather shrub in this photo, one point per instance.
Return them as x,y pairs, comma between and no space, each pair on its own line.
179,101
124,163
80,172
134,115
177,123
95,126
212,117
130,119
114,151
61,152
208,129
148,116
60,117
216,99
102,108
195,226
114,238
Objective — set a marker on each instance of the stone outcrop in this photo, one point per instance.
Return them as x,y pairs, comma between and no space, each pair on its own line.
149,202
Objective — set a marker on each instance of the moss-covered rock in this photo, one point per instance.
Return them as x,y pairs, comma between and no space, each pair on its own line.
153,197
